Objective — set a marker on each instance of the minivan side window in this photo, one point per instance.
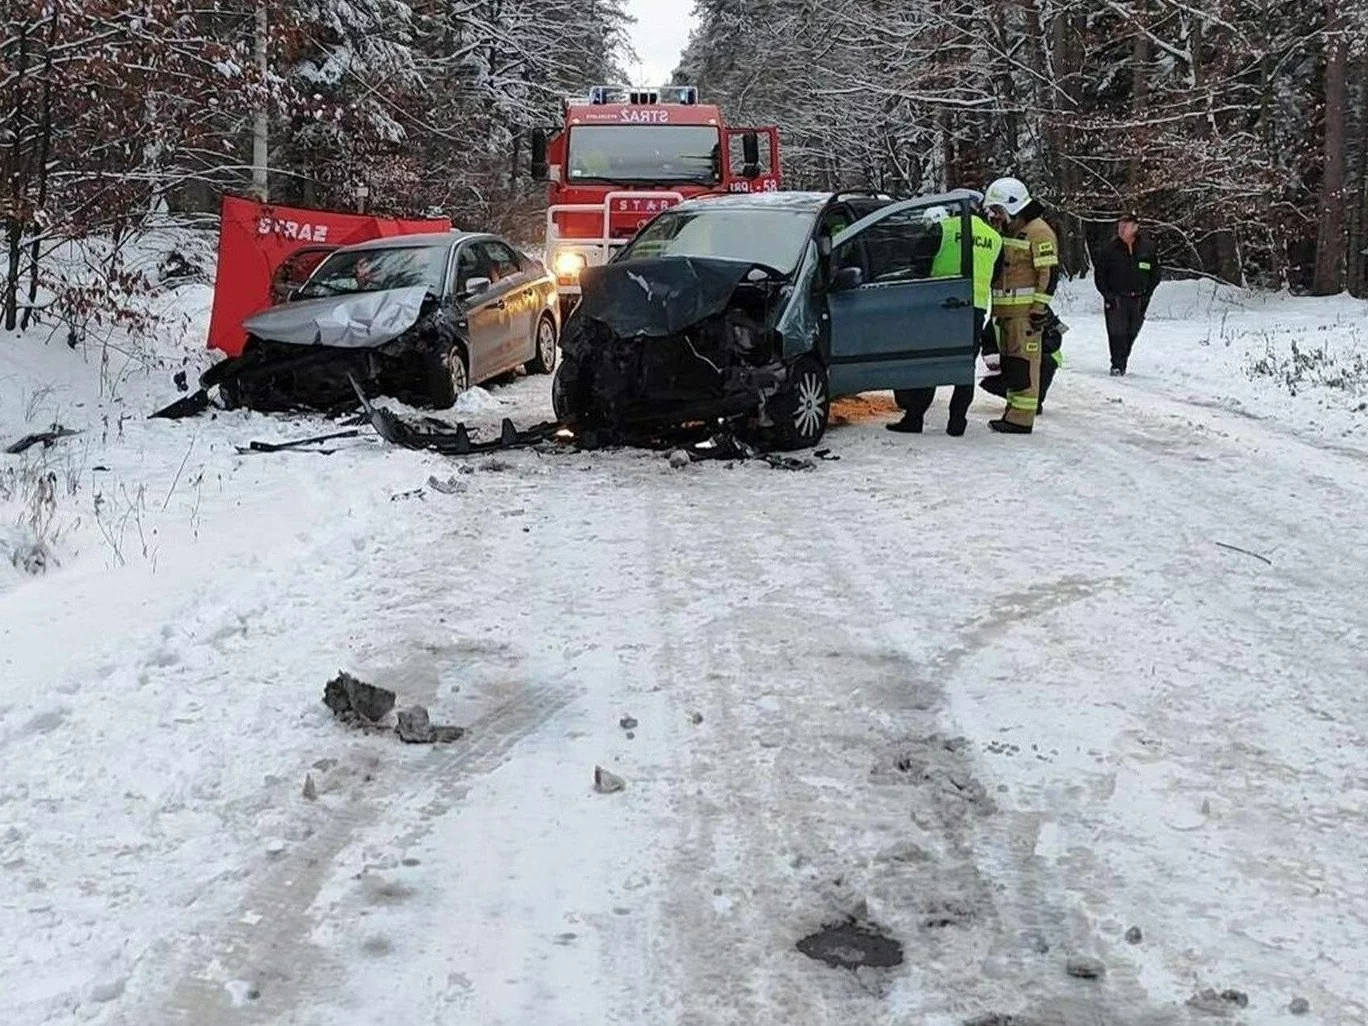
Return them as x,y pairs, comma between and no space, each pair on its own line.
901,247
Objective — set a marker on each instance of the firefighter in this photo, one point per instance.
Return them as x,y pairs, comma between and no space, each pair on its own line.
1023,289
946,264
1126,274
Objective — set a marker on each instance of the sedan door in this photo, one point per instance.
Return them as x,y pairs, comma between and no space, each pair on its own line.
521,298
485,316
891,324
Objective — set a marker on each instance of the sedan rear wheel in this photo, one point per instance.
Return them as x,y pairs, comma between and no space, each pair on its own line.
544,362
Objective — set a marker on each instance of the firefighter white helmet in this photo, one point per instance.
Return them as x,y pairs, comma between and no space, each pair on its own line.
1008,193
935,214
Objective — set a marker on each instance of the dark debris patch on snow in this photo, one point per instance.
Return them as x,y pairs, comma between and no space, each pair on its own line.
352,700
363,705
851,945
1218,1003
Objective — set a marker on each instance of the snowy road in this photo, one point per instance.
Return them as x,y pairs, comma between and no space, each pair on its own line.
1004,749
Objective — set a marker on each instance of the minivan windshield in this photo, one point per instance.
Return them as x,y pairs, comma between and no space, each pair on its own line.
775,238
377,270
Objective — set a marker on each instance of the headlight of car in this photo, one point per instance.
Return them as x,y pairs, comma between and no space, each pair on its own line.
569,264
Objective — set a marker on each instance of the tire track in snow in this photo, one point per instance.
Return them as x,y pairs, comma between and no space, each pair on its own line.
787,821
270,939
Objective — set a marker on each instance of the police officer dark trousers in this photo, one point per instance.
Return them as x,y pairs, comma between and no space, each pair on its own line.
987,246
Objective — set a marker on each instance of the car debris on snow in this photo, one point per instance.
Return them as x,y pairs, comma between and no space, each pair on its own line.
354,701
696,718
1213,1002
310,788
363,705
1085,967
415,727
1134,935
43,438
448,487
628,723
852,945
1299,1006
298,445
607,783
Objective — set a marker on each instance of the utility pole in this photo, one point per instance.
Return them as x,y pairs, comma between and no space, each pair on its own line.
261,118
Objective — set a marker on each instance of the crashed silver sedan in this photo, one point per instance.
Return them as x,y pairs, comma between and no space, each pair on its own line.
417,317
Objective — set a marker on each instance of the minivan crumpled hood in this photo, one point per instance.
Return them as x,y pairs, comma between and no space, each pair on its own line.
361,321
661,296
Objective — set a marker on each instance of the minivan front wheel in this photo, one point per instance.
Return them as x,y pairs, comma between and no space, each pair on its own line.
800,409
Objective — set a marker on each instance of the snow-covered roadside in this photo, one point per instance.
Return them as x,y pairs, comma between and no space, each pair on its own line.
1164,730
1298,364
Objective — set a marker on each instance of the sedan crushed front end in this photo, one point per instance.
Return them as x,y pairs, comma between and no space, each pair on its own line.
303,355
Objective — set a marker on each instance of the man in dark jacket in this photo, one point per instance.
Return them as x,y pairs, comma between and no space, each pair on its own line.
1126,274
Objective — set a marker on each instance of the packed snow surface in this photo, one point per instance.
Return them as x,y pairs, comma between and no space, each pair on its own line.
1004,701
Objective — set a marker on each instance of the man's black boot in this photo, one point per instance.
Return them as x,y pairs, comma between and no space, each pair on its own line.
956,428
1116,372
1006,427
909,425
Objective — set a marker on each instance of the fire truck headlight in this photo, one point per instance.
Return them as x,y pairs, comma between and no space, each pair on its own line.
569,264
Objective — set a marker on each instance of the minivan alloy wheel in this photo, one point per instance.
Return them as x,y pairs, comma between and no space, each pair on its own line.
810,394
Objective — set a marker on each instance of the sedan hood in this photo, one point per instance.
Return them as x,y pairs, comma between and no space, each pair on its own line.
661,296
364,320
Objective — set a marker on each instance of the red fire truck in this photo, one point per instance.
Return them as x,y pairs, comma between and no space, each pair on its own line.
623,155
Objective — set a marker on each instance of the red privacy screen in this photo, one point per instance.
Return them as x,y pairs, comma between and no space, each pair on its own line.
257,238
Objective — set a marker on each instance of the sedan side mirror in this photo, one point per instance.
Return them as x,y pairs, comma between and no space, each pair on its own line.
475,287
847,278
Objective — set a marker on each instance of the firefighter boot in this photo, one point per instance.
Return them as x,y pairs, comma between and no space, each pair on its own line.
1006,427
911,424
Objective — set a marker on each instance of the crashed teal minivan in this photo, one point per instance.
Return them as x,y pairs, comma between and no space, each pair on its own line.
758,309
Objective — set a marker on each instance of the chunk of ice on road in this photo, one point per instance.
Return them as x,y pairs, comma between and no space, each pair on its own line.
477,400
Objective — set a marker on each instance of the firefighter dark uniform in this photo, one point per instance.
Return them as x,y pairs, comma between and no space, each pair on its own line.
1022,292
947,264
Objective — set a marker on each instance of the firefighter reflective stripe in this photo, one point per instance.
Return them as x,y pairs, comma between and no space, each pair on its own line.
1025,296
1045,254
1058,357
1021,401
1145,265
1016,243
1043,298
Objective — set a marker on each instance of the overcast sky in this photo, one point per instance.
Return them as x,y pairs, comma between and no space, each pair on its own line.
661,32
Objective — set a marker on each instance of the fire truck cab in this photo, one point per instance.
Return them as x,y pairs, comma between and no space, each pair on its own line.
624,155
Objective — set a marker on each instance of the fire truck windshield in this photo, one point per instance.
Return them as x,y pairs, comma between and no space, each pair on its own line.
645,154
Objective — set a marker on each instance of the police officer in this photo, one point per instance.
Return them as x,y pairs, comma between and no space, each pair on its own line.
1126,274
947,264
1023,289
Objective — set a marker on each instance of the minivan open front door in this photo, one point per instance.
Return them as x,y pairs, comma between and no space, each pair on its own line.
900,306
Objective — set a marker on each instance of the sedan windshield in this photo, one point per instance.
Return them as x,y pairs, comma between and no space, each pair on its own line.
772,237
377,270
645,154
